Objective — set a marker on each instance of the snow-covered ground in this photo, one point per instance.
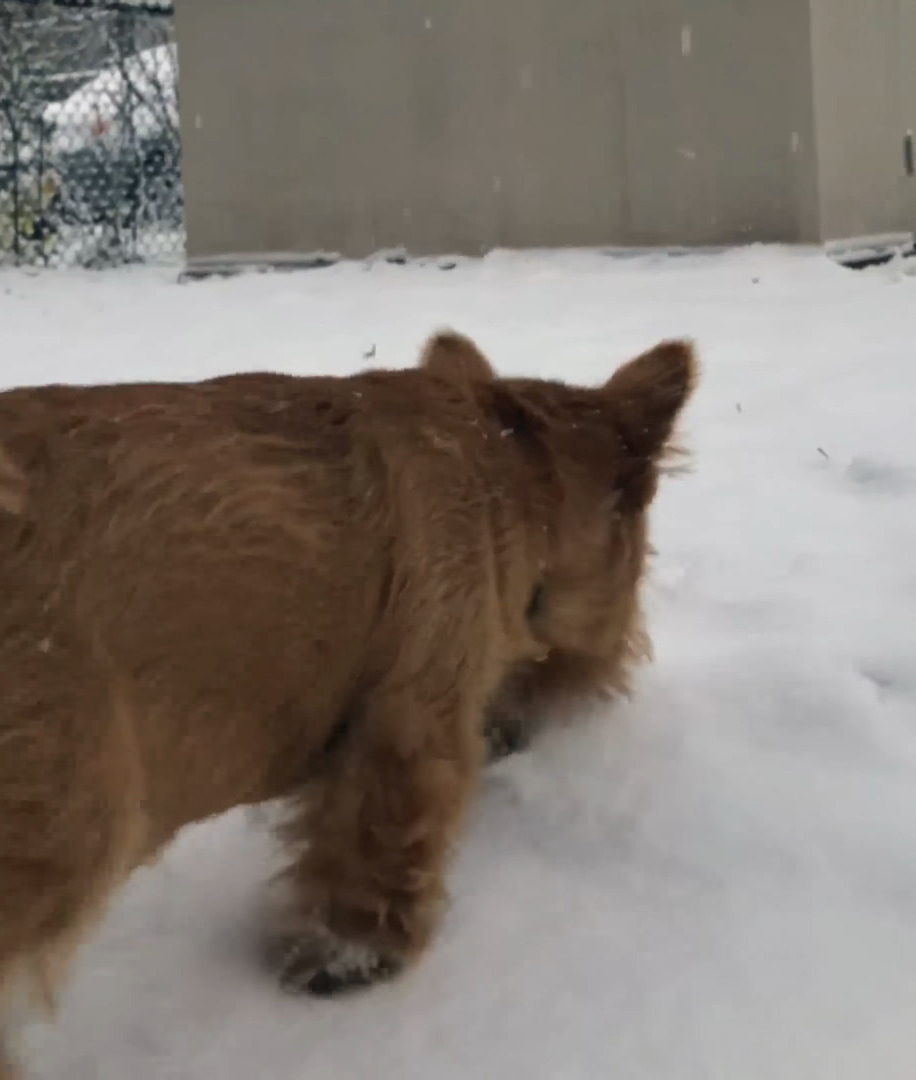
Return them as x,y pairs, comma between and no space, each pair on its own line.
716,881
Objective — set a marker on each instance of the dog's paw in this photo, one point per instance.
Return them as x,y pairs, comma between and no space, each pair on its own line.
317,962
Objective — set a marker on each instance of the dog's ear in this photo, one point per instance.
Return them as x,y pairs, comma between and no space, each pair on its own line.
453,356
648,394
13,487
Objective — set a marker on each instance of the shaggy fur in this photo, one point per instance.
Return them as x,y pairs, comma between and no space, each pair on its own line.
314,589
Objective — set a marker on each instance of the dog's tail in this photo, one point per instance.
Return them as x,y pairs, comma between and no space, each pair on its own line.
13,486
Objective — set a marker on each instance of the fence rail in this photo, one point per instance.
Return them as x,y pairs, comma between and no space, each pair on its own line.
90,156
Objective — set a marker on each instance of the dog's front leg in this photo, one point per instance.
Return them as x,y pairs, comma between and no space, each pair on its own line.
371,842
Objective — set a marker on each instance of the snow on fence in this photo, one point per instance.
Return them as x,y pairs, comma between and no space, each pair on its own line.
90,157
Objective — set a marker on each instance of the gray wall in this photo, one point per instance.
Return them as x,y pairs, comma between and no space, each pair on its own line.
864,64
720,138
375,123
452,127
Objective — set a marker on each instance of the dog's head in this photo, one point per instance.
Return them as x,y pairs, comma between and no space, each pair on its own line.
594,457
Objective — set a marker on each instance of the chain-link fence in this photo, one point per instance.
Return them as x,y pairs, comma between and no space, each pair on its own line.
90,156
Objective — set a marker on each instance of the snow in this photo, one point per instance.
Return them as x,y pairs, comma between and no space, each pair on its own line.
93,114
716,881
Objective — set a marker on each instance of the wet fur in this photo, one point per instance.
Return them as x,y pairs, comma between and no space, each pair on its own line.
322,590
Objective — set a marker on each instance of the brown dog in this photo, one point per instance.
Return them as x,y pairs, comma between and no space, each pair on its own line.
315,589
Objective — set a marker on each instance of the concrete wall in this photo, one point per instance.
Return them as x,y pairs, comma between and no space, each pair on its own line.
455,127
864,65
366,124
720,138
